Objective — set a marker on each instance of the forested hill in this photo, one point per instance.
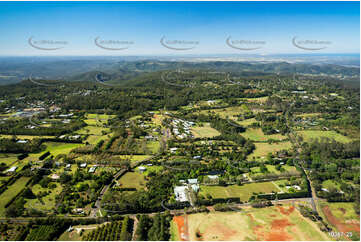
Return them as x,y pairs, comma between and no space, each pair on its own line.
121,70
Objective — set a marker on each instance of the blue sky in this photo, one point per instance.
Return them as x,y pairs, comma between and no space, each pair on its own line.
272,25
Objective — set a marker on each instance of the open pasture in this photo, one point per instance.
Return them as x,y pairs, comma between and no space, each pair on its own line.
204,132
278,223
308,135
244,192
256,134
262,149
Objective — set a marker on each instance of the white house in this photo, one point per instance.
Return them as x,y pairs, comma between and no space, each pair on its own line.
180,193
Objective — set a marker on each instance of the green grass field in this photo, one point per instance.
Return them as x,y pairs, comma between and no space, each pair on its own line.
272,169
329,184
258,224
246,122
256,134
56,148
132,180
244,192
8,158
262,149
11,192
47,202
204,132
30,137
317,134
93,130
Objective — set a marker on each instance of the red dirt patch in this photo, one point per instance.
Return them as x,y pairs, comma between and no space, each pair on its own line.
278,236
250,216
286,211
272,215
280,224
257,230
182,230
341,226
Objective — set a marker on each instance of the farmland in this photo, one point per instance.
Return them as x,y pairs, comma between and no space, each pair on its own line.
204,131
244,192
256,134
11,192
273,223
262,149
308,135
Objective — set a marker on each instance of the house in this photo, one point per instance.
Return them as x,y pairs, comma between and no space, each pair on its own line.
55,176
197,157
92,169
83,165
22,141
173,150
213,177
211,102
68,166
195,187
150,164
180,193
192,181
142,168
78,210
324,189
12,169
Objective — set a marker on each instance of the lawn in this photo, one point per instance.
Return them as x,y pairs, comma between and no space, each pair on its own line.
75,234
246,122
329,184
317,134
8,159
204,132
244,192
263,224
272,169
132,180
57,148
47,202
228,112
153,146
256,134
11,192
262,149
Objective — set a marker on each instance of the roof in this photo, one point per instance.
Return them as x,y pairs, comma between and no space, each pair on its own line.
180,193
12,169
193,181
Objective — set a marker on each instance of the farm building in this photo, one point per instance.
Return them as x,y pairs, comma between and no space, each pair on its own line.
192,181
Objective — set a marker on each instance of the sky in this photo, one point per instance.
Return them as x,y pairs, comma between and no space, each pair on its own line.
178,28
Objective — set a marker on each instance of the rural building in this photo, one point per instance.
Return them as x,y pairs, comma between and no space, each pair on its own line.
92,169
180,193
193,181
55,176
12,169
22,141
83,165
142,168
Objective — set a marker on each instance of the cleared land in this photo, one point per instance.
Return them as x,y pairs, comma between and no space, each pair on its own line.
244,192
56,148
273,224
132,180
204,132
45,203
342,217
256,134
308,135
262,149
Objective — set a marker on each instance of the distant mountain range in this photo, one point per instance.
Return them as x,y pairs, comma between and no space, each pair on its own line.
16,69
